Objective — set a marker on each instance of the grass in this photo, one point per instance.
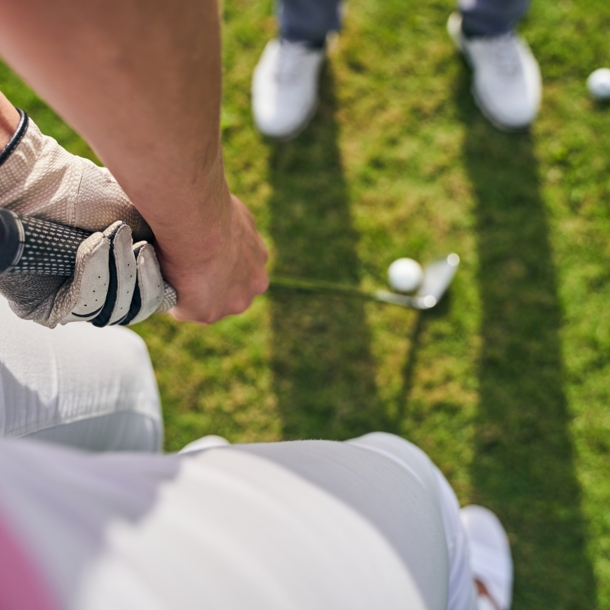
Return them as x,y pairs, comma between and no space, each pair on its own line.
507,385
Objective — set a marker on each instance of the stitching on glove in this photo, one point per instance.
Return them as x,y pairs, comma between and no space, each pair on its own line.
87,315
16,137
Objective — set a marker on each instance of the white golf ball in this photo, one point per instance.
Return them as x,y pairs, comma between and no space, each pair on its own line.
405,275
598,84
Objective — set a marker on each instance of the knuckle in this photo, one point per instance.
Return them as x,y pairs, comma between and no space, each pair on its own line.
262,285
177,314
239,305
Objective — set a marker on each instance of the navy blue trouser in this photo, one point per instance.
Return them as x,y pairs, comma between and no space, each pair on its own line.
311,20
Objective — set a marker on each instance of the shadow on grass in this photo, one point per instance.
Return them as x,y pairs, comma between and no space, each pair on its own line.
423,318
524,462
322,365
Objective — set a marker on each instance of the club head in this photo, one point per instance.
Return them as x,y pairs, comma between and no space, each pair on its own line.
437,279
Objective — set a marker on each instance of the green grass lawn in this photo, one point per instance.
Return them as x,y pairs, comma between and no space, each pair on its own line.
507,385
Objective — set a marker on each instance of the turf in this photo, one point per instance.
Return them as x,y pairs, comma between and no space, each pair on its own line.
507,384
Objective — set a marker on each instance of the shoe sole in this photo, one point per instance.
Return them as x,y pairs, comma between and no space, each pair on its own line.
502,534
494,122
298,130
464,53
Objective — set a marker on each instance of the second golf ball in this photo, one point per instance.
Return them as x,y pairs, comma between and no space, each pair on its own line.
405,275
598,84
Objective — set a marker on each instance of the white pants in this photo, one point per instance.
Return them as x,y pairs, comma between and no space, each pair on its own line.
77,385
370,523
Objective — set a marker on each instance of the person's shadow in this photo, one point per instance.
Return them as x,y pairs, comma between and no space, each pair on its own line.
523,467
323,370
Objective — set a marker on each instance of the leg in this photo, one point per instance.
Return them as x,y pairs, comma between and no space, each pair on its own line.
507,85
309,524
77,385
393,486
461,593
491,17
308,20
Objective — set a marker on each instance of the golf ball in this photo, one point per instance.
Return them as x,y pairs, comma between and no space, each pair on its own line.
598,84
405,275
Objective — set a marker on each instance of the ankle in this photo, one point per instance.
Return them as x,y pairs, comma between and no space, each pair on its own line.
315,45
471,29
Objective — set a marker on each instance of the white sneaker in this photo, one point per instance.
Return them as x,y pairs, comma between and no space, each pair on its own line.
490,559
507,85
205,442
285,88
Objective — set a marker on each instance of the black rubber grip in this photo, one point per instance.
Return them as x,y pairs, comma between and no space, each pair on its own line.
31,246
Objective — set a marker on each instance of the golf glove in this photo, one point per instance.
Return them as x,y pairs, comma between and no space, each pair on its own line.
115,281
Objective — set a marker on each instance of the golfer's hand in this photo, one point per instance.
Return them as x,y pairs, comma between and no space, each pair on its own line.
115,281
224,282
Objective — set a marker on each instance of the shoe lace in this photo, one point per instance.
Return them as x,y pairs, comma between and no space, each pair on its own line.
504,53
289,64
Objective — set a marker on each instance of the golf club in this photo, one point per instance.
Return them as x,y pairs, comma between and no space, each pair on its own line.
33,246
437,278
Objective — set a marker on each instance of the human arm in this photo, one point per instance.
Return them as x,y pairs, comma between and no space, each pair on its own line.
141,82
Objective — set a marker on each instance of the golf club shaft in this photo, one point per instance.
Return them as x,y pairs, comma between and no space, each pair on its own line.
310,286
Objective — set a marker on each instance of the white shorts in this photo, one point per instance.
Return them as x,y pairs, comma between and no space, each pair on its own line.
369,523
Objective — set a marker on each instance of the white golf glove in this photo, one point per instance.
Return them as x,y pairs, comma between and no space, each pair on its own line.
115,281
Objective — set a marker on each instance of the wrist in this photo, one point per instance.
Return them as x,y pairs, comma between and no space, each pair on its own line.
190,242
11,134
10,121
27,139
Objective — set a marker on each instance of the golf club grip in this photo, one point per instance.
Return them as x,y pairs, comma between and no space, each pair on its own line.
31,246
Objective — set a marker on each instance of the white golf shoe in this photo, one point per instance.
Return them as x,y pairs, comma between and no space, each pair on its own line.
285,88
490,558
507,85
205,442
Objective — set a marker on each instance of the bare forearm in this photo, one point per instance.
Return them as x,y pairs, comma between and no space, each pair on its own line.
140,80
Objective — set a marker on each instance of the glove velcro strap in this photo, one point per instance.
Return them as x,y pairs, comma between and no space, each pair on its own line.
123,275
136,302
104,316
16,137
